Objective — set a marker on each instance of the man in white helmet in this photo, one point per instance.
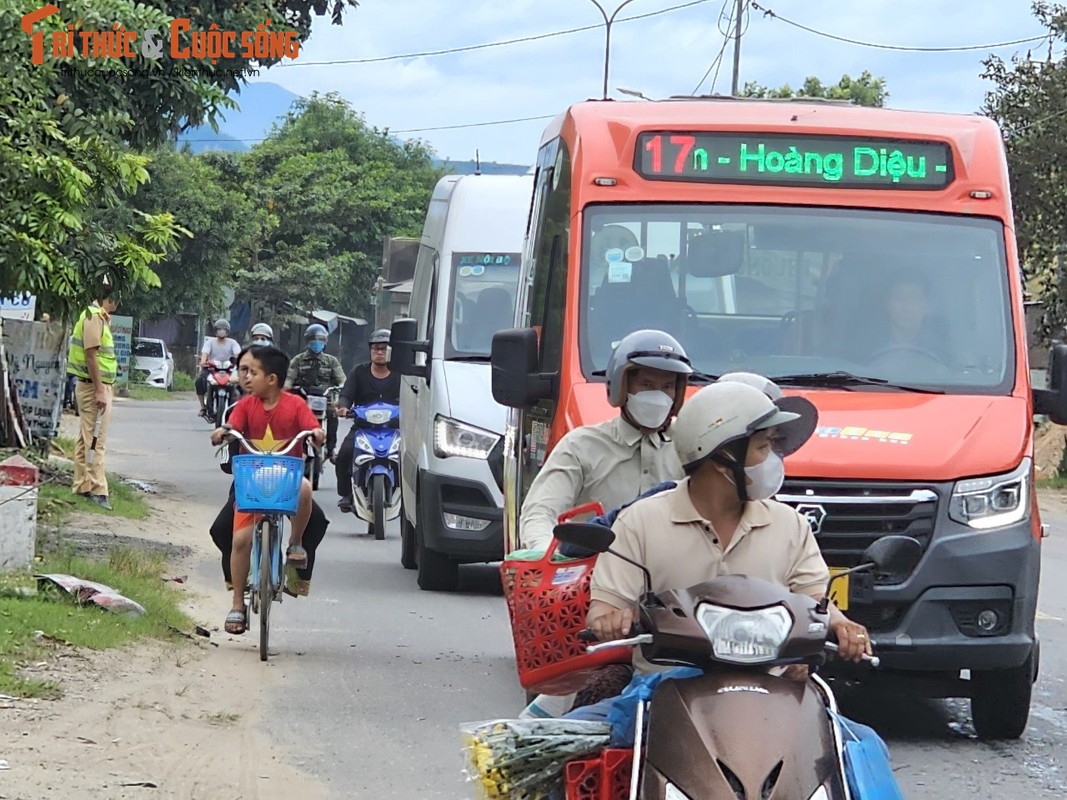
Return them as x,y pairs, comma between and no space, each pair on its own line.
721,519
613,462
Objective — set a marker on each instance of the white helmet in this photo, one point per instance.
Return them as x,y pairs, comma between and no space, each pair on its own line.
792,436
647,348
262,329
729,412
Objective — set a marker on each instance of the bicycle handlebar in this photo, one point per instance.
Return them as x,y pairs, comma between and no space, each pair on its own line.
300,437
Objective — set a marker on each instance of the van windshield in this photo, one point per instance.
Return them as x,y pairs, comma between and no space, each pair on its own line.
814,297
484,286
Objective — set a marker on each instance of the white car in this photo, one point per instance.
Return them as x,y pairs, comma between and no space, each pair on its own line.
153,363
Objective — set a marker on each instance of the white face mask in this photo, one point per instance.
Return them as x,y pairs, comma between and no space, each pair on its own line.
765,479
649,409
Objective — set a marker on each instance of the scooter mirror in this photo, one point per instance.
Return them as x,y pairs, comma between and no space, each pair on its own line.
587,535
893,555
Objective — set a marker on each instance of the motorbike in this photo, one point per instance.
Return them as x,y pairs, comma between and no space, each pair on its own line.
376,465
735,730
318,400
222,389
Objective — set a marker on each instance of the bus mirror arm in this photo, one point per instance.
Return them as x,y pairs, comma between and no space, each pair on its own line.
404,346
1053,401
517,382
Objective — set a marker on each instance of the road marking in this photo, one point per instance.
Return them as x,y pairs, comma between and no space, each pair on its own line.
1043,615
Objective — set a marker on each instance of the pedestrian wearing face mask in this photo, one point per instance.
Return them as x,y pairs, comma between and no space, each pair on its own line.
720,520
613,462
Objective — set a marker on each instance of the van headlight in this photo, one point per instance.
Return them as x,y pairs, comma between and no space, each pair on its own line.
992,502
452,438
745,637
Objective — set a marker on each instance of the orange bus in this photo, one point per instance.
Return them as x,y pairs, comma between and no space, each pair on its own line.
864,258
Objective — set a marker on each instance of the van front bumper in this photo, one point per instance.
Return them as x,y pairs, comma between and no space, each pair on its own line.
450,509
970,604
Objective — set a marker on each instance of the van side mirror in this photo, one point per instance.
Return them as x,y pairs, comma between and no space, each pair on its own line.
1053,401
404,344
515,379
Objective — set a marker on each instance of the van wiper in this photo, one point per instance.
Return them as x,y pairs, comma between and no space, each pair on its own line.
845,379
472,358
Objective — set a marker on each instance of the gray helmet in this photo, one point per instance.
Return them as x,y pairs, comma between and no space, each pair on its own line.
314,330
792,436
262,329
646,348
224,324
380,336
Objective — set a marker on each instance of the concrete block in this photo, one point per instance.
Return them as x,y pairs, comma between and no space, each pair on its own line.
18,513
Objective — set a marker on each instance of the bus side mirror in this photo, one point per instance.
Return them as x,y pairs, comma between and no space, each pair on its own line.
516,381
1053,401
404,345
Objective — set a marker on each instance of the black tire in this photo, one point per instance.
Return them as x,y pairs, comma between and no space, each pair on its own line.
407,542
377,500
316,470
437,572
1000,701
266,591
220,410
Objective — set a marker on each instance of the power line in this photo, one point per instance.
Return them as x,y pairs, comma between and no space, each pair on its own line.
770,13
726,34
503,42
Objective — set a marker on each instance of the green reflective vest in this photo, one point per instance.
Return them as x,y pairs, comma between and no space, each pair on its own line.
105,354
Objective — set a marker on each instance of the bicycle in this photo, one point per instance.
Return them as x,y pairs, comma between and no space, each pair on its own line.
267,484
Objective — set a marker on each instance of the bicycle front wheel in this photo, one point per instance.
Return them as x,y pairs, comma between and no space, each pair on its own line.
268,534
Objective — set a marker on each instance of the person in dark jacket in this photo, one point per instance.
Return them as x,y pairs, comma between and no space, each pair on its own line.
367,383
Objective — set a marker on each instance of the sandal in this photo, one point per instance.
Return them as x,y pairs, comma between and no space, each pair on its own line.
236,621
297,555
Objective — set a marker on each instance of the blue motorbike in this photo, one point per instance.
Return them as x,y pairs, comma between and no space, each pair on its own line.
376,465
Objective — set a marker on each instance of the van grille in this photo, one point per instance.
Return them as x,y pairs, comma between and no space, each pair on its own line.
848,517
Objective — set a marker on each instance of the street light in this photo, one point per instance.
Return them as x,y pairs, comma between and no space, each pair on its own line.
607,36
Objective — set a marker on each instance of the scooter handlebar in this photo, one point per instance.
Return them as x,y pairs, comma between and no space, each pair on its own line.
874,661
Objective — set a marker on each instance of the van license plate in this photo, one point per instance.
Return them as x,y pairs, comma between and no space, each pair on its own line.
839,591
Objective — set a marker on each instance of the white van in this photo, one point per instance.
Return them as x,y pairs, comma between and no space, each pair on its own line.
451,452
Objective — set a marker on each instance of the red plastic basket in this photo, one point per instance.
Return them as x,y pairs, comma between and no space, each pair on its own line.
606,777
547,603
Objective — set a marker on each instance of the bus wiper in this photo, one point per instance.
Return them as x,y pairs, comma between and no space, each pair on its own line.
472,358
846,379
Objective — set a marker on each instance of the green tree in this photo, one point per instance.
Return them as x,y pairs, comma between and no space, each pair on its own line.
333,188
866,90
1029,102
65,173
225,229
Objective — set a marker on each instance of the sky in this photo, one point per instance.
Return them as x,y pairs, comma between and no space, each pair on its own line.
662,55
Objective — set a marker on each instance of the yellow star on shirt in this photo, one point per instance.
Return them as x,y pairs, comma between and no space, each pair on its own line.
268,444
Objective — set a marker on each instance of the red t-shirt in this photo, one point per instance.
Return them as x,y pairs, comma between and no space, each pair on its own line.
272,430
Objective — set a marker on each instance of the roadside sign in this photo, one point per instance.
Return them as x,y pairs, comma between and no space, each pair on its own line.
18,307
122,333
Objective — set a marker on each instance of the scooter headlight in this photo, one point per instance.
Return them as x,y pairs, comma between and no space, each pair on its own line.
363,443
745,637
820,794
672,792
395,446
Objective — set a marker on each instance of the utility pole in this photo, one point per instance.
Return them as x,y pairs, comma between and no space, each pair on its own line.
737,45
608,21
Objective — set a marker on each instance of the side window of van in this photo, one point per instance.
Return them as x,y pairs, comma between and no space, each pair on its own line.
549,298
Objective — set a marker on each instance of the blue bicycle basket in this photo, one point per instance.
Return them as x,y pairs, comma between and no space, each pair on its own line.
267,484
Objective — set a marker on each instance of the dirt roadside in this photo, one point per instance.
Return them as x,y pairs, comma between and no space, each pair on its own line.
158,720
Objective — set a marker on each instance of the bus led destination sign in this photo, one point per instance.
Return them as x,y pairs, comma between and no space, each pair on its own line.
834,161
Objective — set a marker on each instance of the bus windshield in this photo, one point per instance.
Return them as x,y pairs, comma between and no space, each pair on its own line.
812,297
482,302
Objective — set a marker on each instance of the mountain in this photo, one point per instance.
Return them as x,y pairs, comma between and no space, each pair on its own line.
261,104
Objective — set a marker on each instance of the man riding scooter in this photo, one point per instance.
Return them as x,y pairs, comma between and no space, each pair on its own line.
314,371
367,383
220,349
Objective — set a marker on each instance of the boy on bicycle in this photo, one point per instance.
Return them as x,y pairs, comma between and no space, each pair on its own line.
269,417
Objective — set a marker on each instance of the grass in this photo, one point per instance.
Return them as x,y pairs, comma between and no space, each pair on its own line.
142,391
55,501
184,382
27,622
221,718
1052,482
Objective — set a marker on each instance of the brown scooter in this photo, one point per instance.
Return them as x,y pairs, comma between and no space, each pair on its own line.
737,732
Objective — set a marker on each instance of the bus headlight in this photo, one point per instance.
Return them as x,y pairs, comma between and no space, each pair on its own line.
452,438
992,502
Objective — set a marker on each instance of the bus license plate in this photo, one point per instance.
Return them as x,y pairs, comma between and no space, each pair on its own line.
839,590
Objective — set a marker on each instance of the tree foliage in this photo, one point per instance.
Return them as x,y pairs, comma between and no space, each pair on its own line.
865,90
333,189
66,126
1029,103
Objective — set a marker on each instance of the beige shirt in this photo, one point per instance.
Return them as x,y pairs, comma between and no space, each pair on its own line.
680,548
609,462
